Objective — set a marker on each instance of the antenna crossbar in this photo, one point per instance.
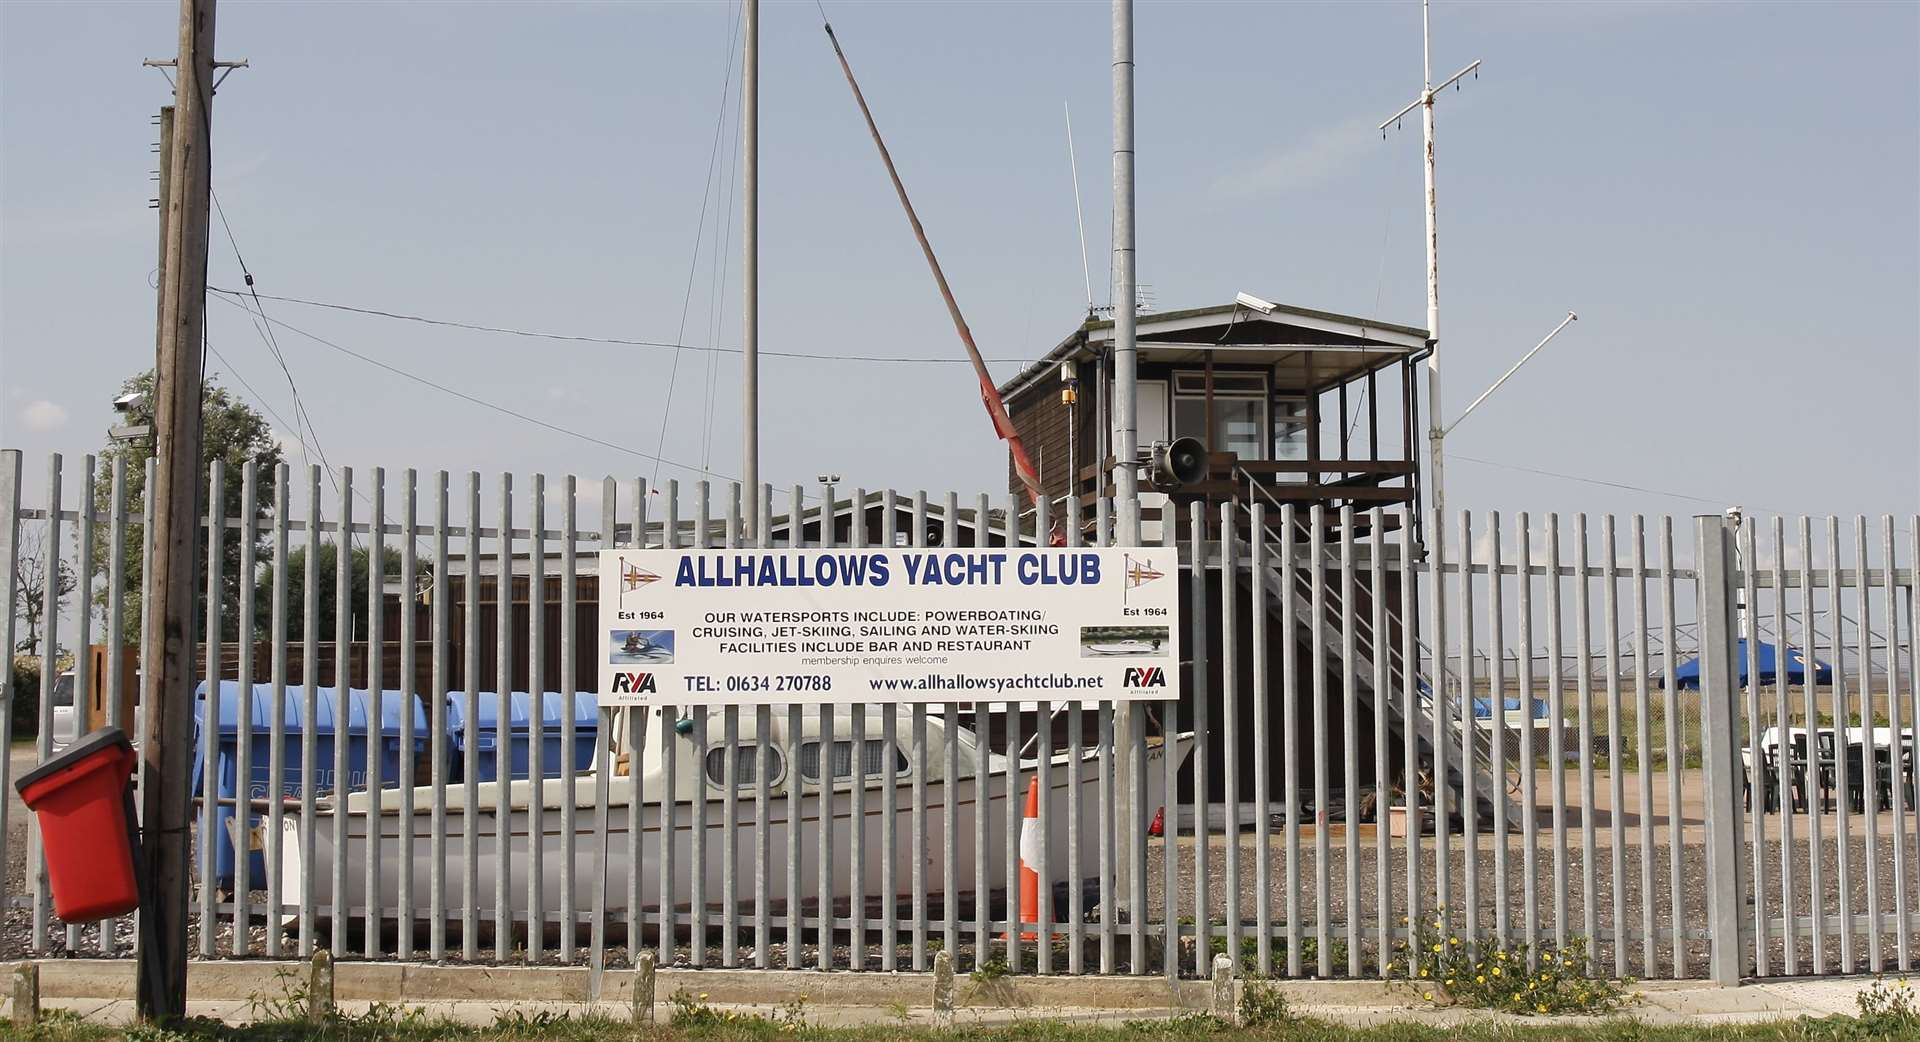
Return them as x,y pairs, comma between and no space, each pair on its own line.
1416,103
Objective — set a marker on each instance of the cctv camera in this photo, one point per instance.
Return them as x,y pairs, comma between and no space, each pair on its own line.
129,402
1248,300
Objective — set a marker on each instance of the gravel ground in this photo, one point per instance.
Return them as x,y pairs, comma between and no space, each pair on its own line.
16,930
15,937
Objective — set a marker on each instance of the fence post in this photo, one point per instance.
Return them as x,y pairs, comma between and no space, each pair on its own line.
320,987
943,989
1720,754
26,995
643,984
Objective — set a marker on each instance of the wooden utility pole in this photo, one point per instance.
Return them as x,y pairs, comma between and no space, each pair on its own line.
167,647
165,201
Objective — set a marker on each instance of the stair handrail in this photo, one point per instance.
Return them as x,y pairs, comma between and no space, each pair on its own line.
1448,696
1446,673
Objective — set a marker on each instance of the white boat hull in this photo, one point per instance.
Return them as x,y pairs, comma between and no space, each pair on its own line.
473,873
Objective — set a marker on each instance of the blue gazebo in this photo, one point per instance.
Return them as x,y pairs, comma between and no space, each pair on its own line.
1688,675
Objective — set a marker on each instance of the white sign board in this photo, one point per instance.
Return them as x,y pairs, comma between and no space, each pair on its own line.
775,627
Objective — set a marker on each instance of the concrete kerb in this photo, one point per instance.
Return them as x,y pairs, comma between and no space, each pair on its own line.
243,980
842,997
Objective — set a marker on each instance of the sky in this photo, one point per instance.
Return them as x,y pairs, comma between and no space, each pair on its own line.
1728,194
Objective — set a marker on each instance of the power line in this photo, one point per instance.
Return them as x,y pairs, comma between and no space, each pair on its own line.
273,345
482,402
718,277
614,341
699,236
1616,484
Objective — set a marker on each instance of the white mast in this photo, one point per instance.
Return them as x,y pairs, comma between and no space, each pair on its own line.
1125,422
1436,429
750,265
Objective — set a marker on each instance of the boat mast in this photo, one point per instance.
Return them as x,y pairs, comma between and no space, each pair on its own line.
1131,895
750,266
1125,385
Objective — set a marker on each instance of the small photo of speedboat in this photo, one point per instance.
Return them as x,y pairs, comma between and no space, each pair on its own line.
1124,641
629,646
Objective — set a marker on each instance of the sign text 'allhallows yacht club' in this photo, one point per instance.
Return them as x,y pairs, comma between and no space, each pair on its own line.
752,627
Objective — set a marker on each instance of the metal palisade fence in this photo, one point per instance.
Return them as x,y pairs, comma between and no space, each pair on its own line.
1687,754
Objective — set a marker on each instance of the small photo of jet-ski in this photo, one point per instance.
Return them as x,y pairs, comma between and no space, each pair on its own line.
632,646
1123,641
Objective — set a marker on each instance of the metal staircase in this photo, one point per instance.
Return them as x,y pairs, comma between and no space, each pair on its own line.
1437,710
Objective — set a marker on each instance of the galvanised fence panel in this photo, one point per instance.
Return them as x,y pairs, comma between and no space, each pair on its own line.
1540,732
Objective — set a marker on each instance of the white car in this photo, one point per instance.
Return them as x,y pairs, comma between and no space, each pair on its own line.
66,715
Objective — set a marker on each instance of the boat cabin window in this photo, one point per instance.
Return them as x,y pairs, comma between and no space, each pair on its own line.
748,766
873,759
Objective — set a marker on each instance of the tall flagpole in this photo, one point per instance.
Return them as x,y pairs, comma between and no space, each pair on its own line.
750,263
1125,387
1125,435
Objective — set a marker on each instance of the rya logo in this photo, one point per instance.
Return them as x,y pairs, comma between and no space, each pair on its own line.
634,684
1144,676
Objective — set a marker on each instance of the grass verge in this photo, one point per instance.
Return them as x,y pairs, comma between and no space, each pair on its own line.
390,1023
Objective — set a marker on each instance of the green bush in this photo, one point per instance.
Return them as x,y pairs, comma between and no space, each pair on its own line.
24,689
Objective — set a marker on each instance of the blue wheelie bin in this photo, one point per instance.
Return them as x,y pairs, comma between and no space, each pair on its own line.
486,717
260,783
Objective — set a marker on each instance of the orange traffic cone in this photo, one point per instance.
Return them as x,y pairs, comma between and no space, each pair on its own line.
1031,839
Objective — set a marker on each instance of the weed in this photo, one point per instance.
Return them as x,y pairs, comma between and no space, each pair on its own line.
1890,1009
1309,953
691,1011
792,1015
291,1004
1445,969
540,1022
156,1033
60,1025
1262,1005
991,970
1180,1026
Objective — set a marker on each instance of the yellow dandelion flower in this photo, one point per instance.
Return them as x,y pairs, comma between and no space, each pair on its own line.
1481,979
1438,947
1456,941
1428,996
1542,1007
1496,971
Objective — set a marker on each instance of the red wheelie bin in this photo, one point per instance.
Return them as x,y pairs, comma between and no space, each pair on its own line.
83,799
